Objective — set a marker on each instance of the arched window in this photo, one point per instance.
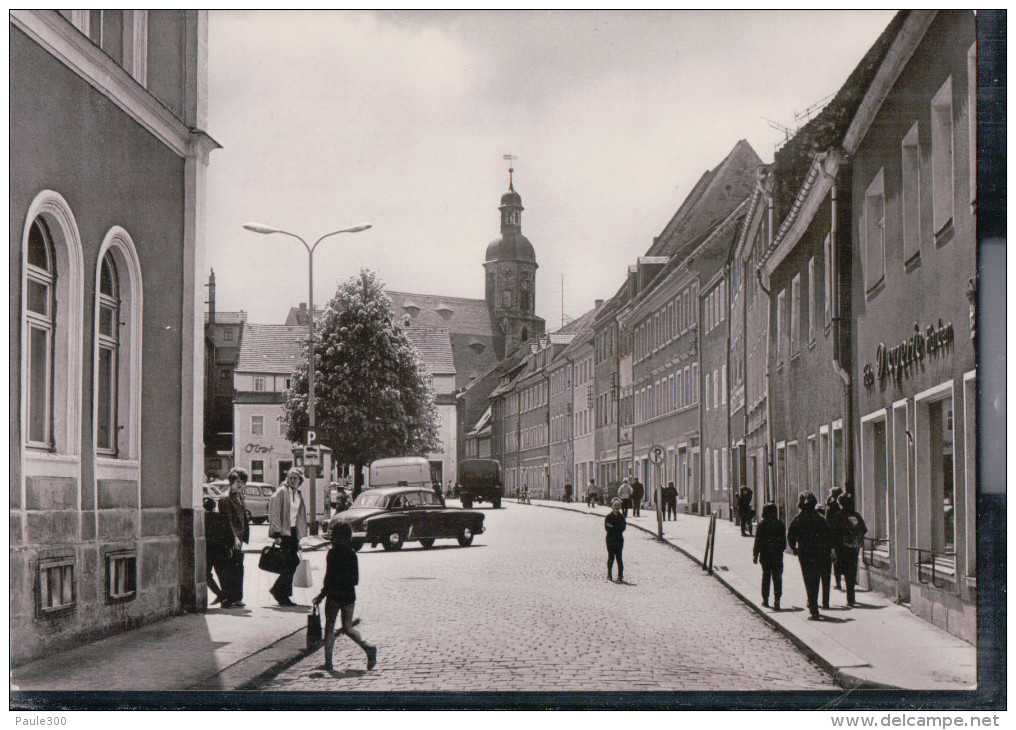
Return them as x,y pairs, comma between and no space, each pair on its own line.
40,273
117,374
52,282
108,344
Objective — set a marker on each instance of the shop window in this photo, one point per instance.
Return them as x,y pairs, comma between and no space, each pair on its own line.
813,465
970,469
911,184
942,159
873,229
825,461
121,576
875,479
838,458
257,470
56,590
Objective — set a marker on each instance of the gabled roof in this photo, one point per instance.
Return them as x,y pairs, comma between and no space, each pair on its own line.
271,348
458,314
583,329
228,317
717,192
435,347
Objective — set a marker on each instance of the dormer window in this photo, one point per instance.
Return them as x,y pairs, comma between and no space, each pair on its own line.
411,308
477,347
444,310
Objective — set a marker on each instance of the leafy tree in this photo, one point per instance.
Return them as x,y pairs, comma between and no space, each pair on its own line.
373,397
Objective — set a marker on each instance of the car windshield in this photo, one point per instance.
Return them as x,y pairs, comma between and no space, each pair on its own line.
370,500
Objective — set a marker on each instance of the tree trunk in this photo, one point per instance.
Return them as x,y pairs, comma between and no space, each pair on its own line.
357,478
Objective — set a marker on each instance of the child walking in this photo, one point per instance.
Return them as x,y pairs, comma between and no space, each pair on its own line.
341,575
614,524
770,542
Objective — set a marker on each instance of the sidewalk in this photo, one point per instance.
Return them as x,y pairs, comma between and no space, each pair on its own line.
877,644
217,650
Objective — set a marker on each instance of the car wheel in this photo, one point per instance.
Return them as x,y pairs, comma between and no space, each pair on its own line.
467,503
393,541
496,503
427,542
466,537
356,545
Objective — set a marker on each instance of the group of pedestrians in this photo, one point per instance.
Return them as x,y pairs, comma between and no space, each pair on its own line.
227,529
820,538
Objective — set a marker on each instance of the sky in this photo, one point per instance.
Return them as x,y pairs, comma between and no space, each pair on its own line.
402,118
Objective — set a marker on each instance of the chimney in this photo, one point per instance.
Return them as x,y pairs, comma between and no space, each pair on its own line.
211,297
598,303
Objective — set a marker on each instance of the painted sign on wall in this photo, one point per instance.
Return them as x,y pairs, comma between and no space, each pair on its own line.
896,362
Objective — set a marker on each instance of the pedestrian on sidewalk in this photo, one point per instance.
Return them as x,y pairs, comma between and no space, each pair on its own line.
614,524
744,511
832,508
810,539
287,524
770,542
624,494
638,493
217,545
342,574
848,530
234,509
671,500
592,495
567,493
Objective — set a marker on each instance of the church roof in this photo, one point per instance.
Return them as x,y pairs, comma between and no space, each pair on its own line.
511,246
435,347
271,348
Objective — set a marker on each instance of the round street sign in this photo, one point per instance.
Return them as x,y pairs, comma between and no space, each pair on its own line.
656,454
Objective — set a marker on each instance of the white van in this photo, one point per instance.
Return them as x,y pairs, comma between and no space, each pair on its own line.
404,471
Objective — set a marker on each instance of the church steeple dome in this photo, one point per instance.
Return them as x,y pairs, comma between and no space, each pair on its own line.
511,245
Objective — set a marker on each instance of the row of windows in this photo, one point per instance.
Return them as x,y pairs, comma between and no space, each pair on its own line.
56,582
605,343
533,397
606,410
52,316
716,388
257,426
665,324
261,384
872,223
716,470
671,393
534,436
714,308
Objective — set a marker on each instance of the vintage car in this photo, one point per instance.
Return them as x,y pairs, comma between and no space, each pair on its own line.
393,516
256,496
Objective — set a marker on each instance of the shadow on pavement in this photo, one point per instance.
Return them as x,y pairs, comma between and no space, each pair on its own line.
336,674
298,608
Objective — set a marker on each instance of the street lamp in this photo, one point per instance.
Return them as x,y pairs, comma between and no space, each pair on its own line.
266,229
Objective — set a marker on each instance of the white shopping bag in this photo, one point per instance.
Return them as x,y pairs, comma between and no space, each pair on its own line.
304,577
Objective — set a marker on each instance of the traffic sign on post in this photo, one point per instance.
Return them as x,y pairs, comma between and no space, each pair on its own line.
656,454
311,456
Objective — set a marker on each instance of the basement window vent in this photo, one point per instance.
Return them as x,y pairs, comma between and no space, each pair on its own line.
56,586
121,576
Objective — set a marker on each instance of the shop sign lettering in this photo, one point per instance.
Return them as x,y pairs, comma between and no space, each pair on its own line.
259,449
895,362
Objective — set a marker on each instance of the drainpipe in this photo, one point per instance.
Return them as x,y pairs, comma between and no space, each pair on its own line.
771,455
840,325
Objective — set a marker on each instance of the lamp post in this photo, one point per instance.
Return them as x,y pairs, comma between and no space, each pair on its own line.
266,229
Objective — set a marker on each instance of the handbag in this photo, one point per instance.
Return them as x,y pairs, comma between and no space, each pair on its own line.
314,634
272,560
304,576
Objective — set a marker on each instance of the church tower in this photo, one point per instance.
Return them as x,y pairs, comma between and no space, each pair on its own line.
511,276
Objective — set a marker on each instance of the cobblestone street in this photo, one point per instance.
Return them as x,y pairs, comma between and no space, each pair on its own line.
528,608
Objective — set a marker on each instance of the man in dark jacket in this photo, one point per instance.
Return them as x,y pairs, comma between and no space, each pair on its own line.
811,540
614,524
218,541
770,542
848,530
234,510
342,574
670,501
638,493
744,498
832,507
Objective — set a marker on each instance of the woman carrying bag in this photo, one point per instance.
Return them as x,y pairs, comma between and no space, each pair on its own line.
341,576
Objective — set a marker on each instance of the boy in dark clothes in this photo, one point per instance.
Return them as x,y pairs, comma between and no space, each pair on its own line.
811,540
614,524
341,576
770,542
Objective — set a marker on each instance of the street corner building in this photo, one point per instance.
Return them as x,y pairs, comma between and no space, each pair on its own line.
107,176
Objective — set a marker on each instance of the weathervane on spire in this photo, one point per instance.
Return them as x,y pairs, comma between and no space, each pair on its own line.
511,169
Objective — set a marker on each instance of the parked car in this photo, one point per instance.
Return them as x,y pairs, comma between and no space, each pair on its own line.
403,471
256,496
393,516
